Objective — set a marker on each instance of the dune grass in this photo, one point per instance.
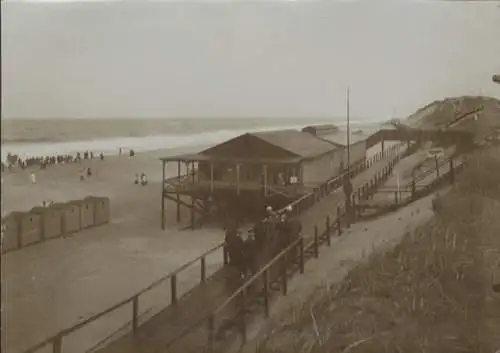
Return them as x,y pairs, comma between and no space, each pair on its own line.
431,293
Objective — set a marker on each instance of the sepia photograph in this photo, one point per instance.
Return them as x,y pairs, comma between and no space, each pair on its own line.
250,176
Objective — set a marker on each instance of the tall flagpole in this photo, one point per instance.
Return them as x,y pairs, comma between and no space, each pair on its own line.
348,134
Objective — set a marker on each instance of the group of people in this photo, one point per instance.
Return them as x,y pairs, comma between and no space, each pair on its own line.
267,238
44,162
141,179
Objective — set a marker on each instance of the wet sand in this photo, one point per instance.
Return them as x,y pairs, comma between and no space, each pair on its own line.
53,285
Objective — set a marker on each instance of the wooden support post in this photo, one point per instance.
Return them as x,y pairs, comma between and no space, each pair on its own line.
452,172
301,249
347,213
339,225
211,177
243,323
57,345
177,194
266,292
173,289
396,197
225,255
238,179
192,201
316,242
437,165
328,236
203,269
284,279
135,314
353,208
211,333
264,170
164,163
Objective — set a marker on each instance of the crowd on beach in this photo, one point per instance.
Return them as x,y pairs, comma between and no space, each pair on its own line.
43,162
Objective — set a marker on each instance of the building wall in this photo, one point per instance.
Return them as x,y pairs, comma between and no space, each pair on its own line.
52,221
357,152
87,213
102,210
72,218
11,239
31,228
322,168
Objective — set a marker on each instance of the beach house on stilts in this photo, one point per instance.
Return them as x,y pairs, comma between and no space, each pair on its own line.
240,177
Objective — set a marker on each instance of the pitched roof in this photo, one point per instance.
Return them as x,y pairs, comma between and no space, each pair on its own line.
302,144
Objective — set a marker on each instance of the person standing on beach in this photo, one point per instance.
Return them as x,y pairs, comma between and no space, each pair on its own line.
82,174
33,178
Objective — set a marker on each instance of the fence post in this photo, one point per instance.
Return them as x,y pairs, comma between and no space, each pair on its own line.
328,239
203,269
316,245
243,323
347,211
301,259
57,345
283,274
135,311
225,255
266,293
173,289
396,197
452,172
211,333
353,210
339,227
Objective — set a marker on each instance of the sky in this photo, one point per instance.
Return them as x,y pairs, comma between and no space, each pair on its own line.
243,59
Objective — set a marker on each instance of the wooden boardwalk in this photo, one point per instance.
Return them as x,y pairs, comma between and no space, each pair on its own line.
182,327
169,325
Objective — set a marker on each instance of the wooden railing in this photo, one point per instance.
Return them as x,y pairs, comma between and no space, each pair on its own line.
56,341
298,205
284,264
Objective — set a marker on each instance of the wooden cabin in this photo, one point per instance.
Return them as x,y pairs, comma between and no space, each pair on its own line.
72,216
285,164
30,226
102,209
11,232
52,219
86,213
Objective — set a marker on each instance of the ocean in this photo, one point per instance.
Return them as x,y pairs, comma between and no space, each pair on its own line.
42,137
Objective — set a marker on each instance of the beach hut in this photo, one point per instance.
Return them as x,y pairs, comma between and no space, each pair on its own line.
10,231
102,209
52,220
72,216
86,213
30,227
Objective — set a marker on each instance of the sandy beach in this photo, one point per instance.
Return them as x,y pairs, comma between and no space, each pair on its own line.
47,285
53,285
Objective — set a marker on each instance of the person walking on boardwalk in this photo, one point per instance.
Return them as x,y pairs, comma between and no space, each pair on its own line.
234,245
